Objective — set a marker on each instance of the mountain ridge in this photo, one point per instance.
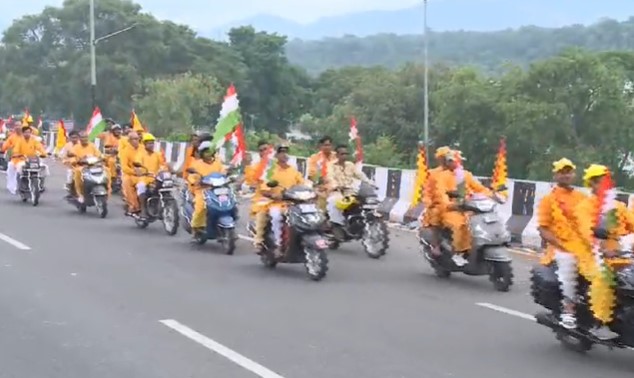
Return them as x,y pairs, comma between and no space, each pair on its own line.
474,15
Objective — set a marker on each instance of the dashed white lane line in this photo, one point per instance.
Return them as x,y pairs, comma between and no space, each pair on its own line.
220,349
13,242
507,311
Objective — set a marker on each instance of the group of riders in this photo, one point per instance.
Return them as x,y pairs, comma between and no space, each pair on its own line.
565,216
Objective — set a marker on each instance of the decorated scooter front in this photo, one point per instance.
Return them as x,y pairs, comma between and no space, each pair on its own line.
222,212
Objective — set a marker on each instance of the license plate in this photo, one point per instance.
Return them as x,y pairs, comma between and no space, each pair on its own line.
221,191
370,207
34,166
308,208
96,171
223,198
490,219
168,183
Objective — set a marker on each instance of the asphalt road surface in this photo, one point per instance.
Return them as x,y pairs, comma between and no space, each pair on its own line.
87,297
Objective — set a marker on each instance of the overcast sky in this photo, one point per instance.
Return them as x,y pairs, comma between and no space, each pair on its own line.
209,14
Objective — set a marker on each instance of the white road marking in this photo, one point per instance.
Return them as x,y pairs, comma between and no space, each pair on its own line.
13,242
507,311
222,350
247,238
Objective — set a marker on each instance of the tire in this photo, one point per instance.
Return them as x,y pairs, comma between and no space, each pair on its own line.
141,223
266,254
574,344
316,264
441,272
35,193
229,243
102,206
171,229
372,251
501,276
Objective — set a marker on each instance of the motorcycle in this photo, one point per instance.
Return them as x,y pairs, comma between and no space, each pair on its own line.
489,254
546,292
364,222
303,238
31,180
160,204
95,188
222,212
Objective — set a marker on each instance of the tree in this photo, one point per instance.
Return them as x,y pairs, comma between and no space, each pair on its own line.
178,104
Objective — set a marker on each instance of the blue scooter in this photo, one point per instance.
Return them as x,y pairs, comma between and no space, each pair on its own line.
222,212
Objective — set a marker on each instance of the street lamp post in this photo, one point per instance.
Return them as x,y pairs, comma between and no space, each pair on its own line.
426,82
93,55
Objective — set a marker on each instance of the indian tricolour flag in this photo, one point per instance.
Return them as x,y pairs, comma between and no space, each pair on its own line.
96,126
229,117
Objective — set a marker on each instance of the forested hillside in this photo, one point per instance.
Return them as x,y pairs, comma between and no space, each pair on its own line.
486,50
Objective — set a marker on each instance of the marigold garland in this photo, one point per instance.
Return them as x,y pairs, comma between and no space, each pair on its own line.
422,174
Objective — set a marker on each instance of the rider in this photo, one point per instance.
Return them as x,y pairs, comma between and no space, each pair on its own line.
25,147
252,179
341,177
129,178
191,152
111,141
206,165
283,177
558,227
148,163
460,181
79,152
430,218
609,233
73,137
318,168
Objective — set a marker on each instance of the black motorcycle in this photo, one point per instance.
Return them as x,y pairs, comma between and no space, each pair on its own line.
546,292
160,204
364,222
31,180
303,241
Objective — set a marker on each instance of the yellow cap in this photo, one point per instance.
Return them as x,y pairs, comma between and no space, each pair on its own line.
147,137
593,171
561,164
29,119
441,152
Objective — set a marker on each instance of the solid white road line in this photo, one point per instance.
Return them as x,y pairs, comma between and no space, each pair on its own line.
13,242
244,237
507,311
222,350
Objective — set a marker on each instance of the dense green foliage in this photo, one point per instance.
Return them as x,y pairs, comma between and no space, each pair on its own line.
577,104
489,51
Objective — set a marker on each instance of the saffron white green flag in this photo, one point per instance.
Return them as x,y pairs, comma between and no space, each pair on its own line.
96,126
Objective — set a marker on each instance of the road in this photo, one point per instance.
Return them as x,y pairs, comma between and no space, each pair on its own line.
85,297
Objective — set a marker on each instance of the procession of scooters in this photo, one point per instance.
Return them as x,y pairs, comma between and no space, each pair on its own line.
307,237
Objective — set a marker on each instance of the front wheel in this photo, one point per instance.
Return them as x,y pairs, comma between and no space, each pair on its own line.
501,275
102,206
170,218
228,240
375,239
35,192
316,263
575,344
